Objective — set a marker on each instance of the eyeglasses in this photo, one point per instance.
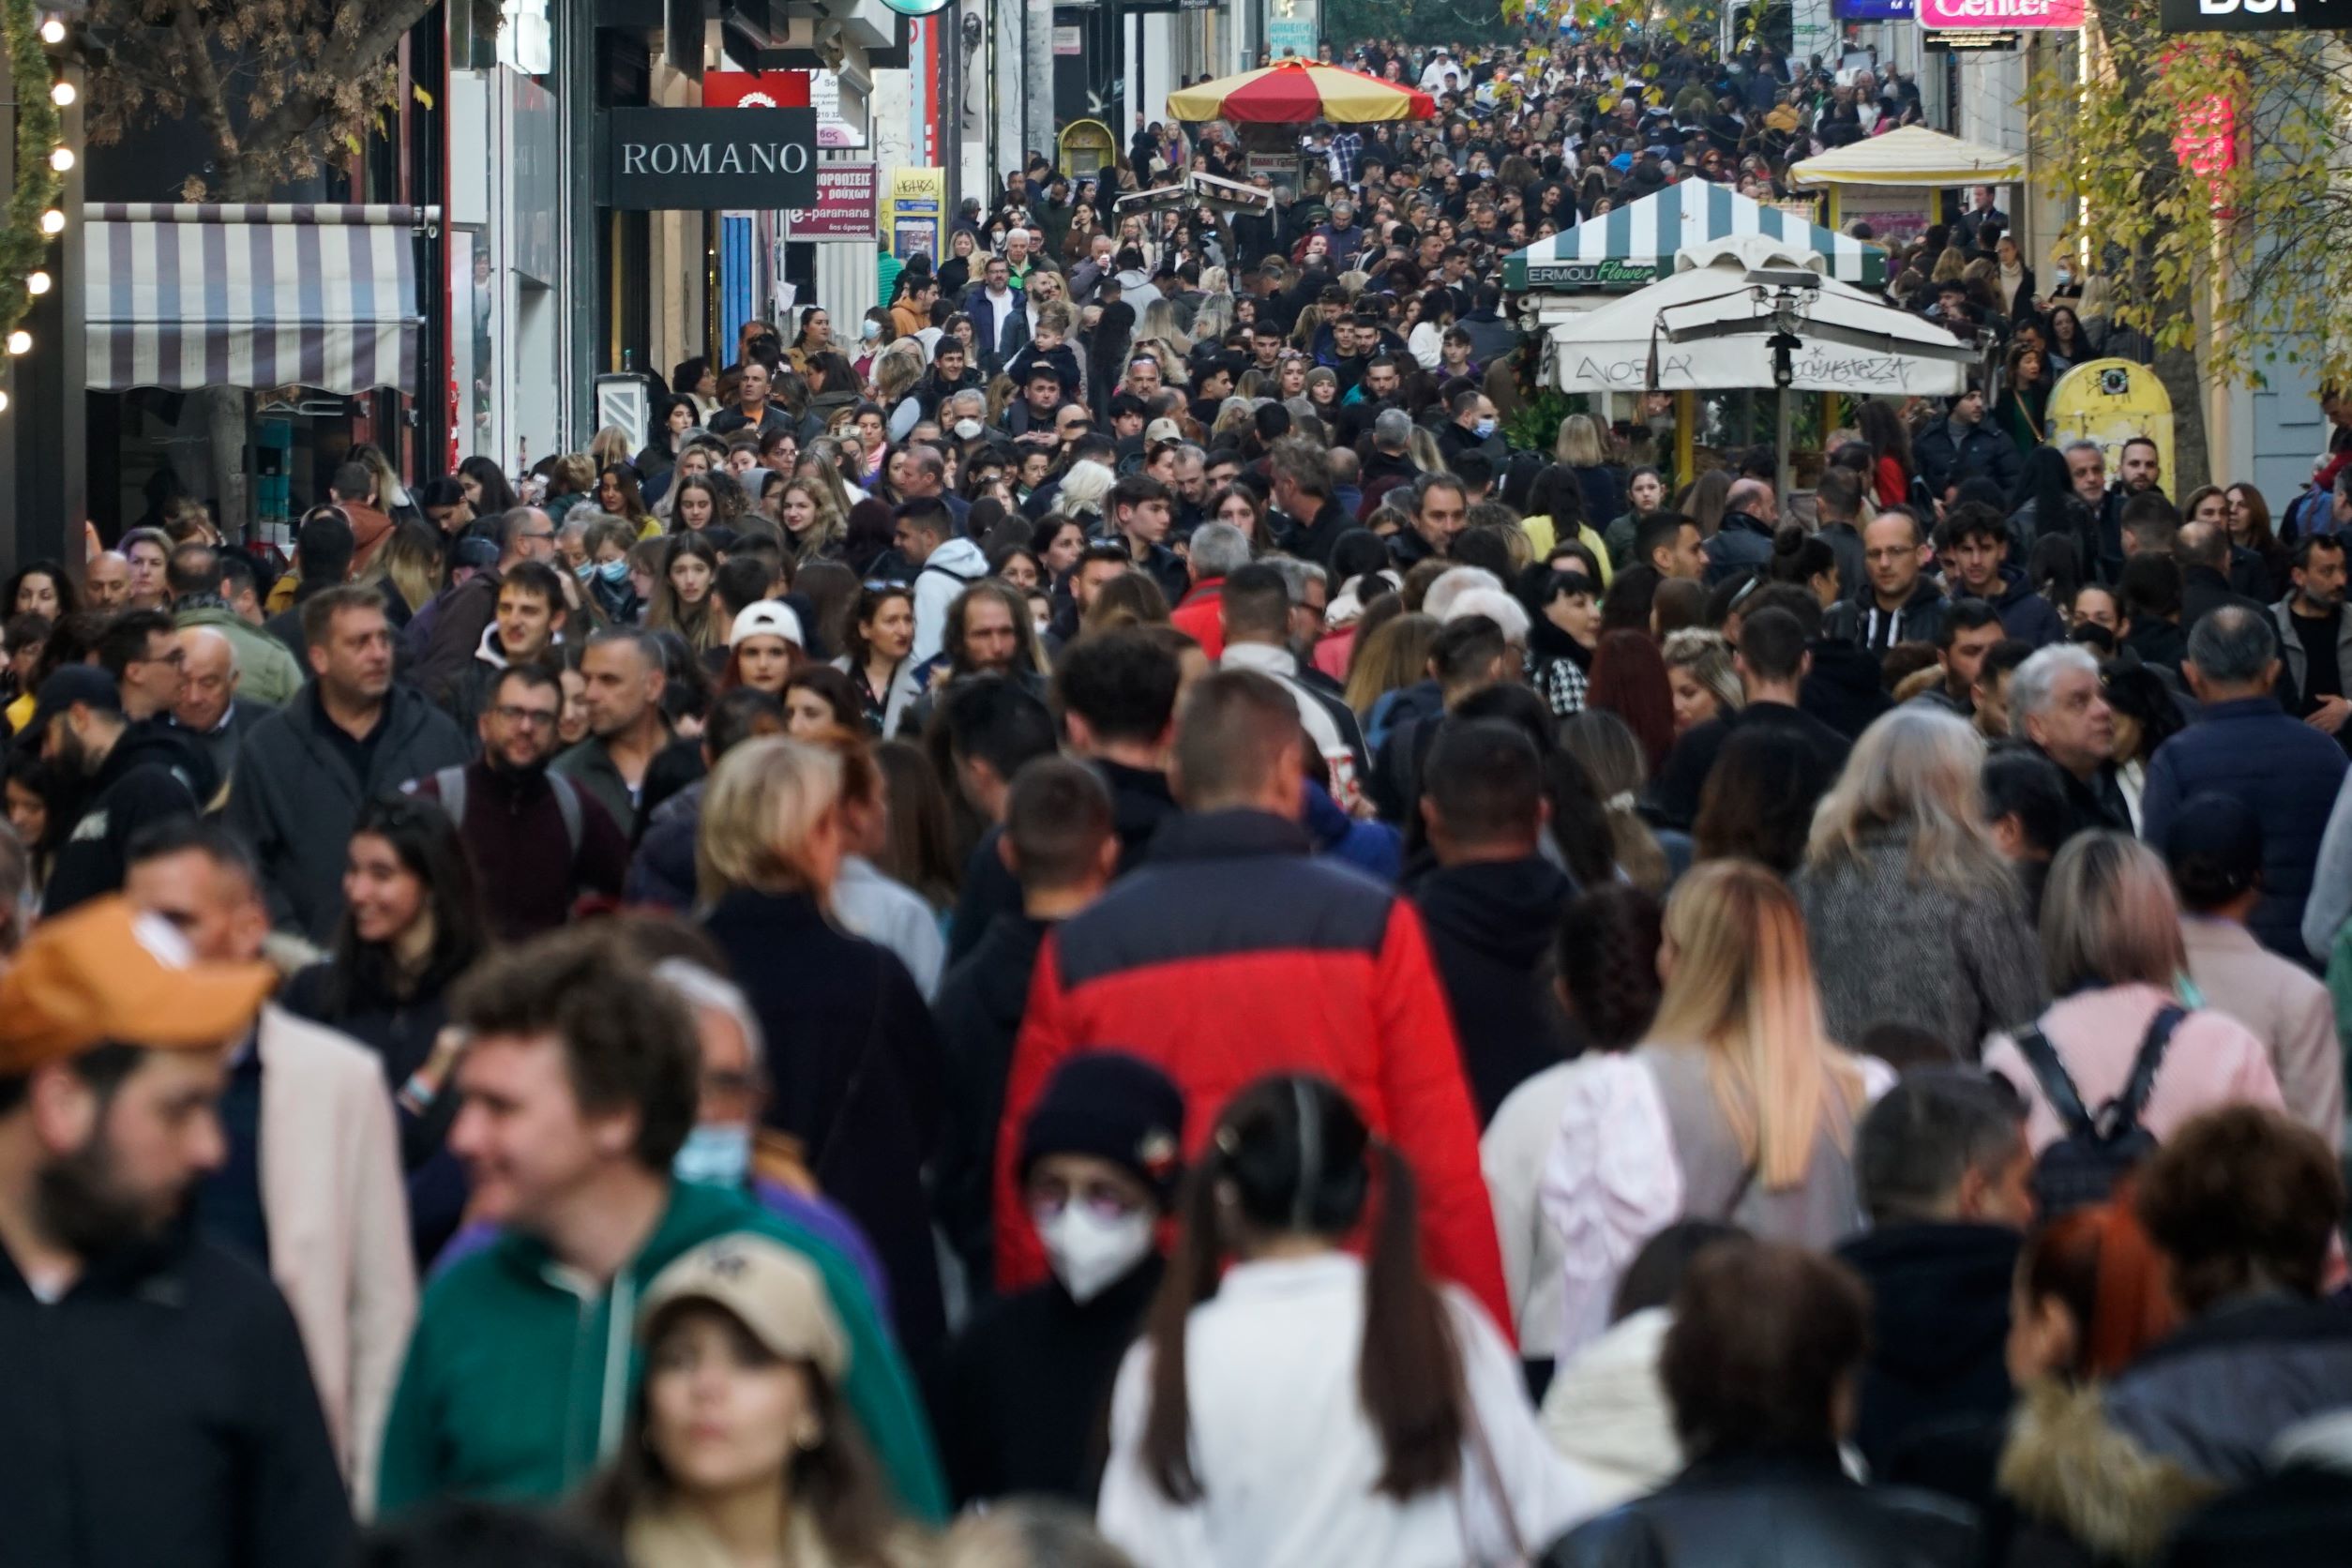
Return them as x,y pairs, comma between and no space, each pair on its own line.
512,714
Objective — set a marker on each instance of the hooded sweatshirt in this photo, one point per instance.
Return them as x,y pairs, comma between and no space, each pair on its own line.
521,1372
1939,1329
2025,616
1490,924
954,566
1861,620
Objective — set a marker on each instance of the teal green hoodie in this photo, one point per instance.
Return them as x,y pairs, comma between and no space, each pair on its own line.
520,1374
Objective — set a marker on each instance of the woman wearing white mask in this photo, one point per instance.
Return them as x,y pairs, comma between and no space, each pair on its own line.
1030,1379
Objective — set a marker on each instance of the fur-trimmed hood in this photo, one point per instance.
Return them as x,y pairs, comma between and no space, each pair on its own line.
2067,1466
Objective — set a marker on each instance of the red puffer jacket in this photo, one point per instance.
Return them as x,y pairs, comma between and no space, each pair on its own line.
1229,955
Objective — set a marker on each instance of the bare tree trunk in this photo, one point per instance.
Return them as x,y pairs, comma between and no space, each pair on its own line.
2191,463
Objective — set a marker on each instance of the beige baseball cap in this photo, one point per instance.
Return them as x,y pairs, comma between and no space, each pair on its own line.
774,1291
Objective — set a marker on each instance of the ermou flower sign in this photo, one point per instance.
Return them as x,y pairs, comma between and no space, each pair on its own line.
1998,15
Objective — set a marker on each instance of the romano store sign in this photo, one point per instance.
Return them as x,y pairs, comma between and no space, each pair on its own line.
699,159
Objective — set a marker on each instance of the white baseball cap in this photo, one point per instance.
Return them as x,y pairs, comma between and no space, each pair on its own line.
768,618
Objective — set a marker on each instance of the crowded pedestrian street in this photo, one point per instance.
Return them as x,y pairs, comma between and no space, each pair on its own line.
1283,784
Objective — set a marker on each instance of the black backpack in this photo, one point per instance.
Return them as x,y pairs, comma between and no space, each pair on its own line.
2083,1166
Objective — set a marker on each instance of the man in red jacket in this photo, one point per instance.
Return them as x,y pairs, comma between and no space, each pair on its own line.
1229,954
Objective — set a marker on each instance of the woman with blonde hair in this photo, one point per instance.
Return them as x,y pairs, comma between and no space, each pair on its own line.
1426,455
1083,489
1760,1103
813,522
861,1086
1393,657
1700,675
899,366
2112,946
1583,446
411,561
1902,881
1733,1108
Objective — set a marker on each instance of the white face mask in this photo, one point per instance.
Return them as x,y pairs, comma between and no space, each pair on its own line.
1090,1253
967,430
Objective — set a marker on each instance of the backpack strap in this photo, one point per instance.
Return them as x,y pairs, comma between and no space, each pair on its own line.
449,783
2056,1087
2145,1065
568,806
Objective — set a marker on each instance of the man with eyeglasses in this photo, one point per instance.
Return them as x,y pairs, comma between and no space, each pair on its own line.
539,842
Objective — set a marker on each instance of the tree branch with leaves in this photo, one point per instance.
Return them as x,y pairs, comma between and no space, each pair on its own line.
275,87
2207,178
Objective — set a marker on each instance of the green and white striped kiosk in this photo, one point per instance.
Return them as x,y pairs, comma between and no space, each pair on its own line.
1635,245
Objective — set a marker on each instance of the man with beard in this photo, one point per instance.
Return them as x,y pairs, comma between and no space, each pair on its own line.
154,1402
136,777
2317,638
539,842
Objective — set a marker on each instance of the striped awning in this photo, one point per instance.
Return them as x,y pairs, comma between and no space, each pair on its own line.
260,295
1636,244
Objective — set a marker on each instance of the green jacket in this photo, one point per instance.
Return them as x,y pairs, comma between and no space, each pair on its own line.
518,1379
266,671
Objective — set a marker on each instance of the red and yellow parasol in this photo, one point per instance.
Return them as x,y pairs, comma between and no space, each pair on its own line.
1297,92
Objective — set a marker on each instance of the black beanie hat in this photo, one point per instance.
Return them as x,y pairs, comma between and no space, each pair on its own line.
1116,1107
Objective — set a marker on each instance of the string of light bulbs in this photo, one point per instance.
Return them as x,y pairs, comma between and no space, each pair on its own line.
35,220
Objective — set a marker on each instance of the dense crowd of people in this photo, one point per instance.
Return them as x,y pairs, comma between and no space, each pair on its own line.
1097,927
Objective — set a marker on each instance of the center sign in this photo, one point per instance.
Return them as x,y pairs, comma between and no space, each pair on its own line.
702,159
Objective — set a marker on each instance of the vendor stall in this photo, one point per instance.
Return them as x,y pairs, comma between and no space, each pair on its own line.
1637,244
1890,181
1265,108
1754,314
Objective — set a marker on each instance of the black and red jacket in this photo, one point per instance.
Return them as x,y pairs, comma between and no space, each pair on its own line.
1229,954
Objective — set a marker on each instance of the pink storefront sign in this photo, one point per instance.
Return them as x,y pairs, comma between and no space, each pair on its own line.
2002,14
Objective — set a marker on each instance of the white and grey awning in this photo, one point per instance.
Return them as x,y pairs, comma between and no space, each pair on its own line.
184,296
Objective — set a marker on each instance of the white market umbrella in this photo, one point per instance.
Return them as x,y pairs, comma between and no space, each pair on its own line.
1717,326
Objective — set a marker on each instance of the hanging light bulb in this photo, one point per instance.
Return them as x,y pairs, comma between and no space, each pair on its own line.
36,283
53,222
53,30
61,94
20,341
61,158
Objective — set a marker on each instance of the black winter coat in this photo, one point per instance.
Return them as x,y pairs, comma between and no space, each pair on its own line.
1024,1406
162,1412
143,780
1939,1329
1773,1513
979,1007
856,1070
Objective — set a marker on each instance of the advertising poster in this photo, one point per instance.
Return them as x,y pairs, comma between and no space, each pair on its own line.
915,209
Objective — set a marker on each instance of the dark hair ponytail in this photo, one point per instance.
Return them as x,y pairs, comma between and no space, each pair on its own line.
1291,1154
1411,1369
1799,556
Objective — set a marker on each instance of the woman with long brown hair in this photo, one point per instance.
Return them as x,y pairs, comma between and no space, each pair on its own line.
738,1437
1393,1414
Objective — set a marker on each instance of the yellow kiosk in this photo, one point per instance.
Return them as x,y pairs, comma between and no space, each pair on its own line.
2112,401
1086,149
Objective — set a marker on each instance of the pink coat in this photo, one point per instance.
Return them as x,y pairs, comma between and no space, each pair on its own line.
2212,1061
337,1213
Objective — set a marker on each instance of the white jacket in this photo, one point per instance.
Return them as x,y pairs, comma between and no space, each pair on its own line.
954,566
1606,1412
1289,1466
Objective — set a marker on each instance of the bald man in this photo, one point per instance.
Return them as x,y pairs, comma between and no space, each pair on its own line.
106,581
1744,542
209,711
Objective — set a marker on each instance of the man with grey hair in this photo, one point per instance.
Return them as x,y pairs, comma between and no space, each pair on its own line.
1310,601
1218,550
208,712
922,476
2056,706
2203,551
1744,541
2245,745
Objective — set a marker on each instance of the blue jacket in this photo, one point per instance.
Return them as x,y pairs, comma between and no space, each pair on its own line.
2025,616
2287,771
